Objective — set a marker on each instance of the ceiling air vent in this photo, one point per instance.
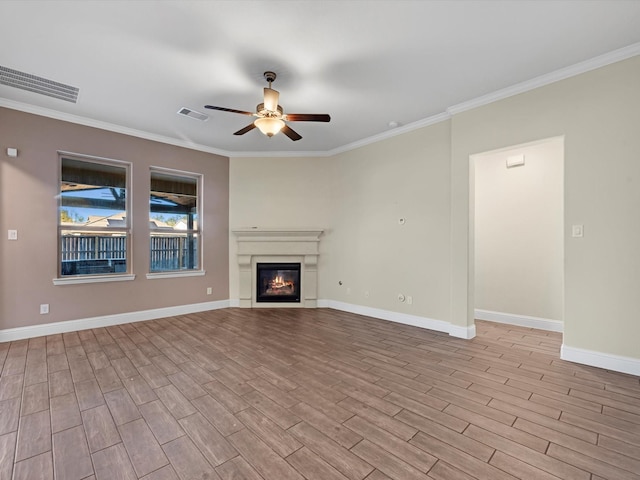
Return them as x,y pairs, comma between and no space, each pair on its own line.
33,83
193,114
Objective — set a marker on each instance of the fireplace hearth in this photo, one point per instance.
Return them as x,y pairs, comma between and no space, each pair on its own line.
278,282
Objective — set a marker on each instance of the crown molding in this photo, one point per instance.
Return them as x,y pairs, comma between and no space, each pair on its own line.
440,117
284,154
562,74
537,82
425,122
110,127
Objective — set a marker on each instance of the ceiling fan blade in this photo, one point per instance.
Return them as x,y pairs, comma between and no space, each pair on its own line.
232,110
246,129
307,117
271,98
289,132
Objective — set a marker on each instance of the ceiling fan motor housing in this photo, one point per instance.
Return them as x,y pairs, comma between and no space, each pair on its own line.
263,111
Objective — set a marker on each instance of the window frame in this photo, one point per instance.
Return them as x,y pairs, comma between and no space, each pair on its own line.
126,230
199,179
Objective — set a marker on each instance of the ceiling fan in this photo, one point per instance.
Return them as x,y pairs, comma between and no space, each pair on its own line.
271,117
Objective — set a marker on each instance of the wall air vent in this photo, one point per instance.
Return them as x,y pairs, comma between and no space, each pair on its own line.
33,83
187,112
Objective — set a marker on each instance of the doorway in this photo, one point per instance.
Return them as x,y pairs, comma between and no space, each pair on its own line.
517,239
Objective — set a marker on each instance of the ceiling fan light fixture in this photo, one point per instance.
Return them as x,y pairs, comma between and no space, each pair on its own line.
271,98
271,118
270,126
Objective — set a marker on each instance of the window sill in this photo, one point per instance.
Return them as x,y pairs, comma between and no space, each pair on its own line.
159,275
93,279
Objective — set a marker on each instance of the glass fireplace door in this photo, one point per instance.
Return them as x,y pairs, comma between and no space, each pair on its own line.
278,282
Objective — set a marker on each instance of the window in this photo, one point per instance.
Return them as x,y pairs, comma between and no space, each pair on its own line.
174,222
93,219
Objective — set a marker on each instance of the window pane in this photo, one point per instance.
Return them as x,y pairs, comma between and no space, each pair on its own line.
93,233
173,221
174,251
92,194
92,254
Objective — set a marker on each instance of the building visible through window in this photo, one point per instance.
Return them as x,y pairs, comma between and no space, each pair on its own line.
93,222
174,221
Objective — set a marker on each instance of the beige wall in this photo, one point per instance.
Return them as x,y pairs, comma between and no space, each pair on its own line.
281,192
597,112
358,198
518,232
403,177
28,190
424,177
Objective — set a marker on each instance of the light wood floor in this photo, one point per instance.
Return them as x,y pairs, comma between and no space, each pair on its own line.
284,394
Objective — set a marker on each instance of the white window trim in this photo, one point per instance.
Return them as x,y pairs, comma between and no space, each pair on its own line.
115,277
200,231
73,280
175,274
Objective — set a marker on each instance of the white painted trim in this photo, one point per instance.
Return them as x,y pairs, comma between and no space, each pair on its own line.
602,360
11,334
520,320
552,77
282,154
462,332
110,127
93,279
176,274
562,74
404,318
425,122
587,357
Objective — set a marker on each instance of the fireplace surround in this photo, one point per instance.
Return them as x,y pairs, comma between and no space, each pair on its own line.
278,246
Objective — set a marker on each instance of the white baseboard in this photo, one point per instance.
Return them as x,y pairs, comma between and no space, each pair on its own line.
520,320
462,332
587,357
602,360
404,318
10,334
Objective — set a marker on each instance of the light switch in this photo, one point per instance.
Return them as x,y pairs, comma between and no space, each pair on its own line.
12,234
577,231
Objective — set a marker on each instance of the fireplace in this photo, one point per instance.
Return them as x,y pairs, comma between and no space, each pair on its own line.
278,282
258,245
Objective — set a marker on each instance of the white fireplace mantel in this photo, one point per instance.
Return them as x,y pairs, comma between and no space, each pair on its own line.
299,245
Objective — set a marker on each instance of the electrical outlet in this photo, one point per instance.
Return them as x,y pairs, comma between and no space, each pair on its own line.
409,300
209,290
366,294
44,309
12,234
348,290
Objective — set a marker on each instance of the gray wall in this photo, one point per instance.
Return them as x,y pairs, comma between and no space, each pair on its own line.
29,185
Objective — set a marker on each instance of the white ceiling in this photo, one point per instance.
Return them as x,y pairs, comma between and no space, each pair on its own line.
366,63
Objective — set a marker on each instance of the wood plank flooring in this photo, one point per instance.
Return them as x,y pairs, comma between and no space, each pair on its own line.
280,394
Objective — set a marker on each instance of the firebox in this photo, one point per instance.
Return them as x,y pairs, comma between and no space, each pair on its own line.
278,282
